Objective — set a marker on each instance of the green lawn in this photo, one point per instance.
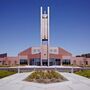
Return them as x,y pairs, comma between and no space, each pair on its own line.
4,66
4,73
85,73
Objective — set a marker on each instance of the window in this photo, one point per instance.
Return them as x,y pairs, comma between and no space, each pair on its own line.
86,62
45,42
51,50
66,61
55,50
34,50
38,50
23,61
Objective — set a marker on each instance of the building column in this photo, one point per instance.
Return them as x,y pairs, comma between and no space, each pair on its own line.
28,62
61,62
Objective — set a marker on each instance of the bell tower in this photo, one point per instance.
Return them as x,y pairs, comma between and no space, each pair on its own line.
44,37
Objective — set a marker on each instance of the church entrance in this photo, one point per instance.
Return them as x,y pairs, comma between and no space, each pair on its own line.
45,62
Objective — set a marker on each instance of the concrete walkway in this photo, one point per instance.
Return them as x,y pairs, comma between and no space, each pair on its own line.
15,82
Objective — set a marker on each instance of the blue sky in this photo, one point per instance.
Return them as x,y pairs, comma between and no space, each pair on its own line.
20,25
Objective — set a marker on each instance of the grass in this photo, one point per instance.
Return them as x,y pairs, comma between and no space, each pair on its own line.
4,73
46,76
85,73
4,66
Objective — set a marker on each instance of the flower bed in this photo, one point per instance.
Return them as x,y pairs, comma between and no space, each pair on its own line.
46,76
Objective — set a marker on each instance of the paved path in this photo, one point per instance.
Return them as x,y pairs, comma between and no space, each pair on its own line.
15,82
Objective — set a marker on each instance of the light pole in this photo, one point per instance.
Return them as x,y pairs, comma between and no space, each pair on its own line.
72,69
18,66
18,69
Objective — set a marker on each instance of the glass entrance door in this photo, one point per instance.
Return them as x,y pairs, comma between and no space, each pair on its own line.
45,62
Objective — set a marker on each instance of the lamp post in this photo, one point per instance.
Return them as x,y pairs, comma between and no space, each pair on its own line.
72,69
18,66
18,69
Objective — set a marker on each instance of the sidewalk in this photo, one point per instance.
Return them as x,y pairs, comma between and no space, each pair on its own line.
15,82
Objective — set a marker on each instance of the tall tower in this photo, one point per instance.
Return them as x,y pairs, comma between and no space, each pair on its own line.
44,37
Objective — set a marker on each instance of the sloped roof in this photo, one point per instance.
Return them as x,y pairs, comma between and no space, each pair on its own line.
64,52
26,52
